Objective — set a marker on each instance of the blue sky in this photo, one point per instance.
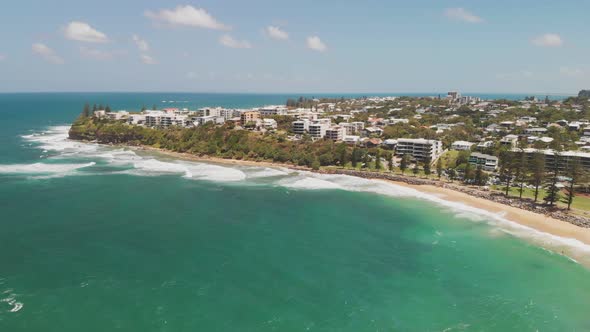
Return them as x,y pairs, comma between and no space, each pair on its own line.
295,46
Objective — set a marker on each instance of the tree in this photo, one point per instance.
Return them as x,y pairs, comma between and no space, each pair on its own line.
479,176
154,107
426,167
355,157
86,111
315,164
551,186
537,172
452,174
506,170
378,159
416,168
575,174
405,162
390,162
108,109
365,159
439,168
520,169
342,152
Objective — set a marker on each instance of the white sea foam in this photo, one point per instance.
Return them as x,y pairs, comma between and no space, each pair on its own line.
41,168
266,172
11,301
308,183
210,172
56,139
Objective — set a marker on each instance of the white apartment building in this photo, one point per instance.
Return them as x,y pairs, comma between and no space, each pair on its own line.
318,130
272,110
488,163
336,133
269,124
419,148
300,127
461,145
158,119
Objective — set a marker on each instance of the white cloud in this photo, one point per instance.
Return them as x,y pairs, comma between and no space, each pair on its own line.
187,15
548,40
571,72
316,44
148,60
461,14
276,33
141,44
229,41
47,53
2,57
81,31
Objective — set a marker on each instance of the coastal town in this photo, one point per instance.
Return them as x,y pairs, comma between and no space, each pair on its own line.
492,144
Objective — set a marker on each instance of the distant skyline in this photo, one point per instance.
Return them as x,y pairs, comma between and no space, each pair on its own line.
265,46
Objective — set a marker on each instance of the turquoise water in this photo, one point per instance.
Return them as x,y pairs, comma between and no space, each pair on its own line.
100,239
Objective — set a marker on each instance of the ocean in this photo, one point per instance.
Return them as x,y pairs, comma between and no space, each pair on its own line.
96,238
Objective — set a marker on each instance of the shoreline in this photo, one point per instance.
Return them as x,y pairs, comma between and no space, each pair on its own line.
530,221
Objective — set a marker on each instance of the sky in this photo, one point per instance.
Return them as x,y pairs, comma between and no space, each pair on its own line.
307,46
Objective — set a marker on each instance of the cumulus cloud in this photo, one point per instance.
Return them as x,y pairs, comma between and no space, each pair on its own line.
276,33
229,41
148,60
47,53
461,14
81,31
548,40
571,72
188,16
316,44
141,44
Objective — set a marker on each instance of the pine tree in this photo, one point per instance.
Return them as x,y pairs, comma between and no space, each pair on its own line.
479,176
416,168
390,162
86,111
355,158
405,162
378,159
537,171
520,167
426,167
506,170
552,180
108,109
439,168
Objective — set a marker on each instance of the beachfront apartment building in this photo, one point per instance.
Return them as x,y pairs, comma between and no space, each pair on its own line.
249,116
486,162
318,130
336,133
563,159
300,127
158,119
353,128
420,149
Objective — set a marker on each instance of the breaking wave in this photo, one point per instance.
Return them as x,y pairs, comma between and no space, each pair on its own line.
56,139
